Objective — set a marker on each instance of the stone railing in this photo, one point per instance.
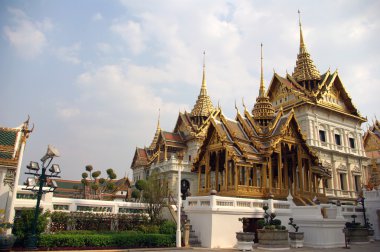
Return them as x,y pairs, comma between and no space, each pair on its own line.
219,203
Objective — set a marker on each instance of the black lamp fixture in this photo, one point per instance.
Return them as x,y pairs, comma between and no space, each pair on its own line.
41,183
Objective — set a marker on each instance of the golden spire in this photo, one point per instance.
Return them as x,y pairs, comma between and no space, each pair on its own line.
263,110
158,130
305,69
262,88
302,44
203,106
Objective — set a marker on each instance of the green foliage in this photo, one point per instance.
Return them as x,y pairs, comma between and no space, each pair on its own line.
121,240
136,194
276,222
154,195
96,174
81,221
261,223
269,221
23,224
98,185
149,229
89,168
140,185
168,227
294,225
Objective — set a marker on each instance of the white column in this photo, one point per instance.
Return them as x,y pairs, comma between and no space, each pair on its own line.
178,233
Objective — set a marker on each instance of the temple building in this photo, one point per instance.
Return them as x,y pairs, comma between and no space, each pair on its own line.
163,153
302,136
329,120
259,155
12,145
371,141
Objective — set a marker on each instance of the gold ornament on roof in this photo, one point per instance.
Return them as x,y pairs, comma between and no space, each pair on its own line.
305,69
203,105
263,110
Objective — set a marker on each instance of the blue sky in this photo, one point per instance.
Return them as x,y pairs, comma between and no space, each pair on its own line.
93,74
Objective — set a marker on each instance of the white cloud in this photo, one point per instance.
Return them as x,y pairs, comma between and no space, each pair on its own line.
131,32
69,54
25,35
67,113
97,17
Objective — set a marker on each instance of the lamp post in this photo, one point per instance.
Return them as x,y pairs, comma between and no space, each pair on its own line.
361,201
40,184
178,233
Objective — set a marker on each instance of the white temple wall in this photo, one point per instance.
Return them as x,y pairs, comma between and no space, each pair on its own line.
341,159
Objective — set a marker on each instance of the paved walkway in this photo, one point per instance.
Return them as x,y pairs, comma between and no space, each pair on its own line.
369,247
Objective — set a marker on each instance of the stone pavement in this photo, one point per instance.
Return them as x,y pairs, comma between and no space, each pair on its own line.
369,247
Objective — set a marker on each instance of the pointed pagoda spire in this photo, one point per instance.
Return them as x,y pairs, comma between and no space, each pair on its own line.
203,106
263,111
262,88
305,70
158,130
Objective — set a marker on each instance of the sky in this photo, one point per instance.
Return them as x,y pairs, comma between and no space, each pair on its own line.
93,74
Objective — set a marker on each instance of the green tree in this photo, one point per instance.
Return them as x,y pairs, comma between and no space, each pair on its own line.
97,186
154,193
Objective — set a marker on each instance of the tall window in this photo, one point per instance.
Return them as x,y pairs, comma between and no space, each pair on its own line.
352,142
338,139
322,136
357,183
342,178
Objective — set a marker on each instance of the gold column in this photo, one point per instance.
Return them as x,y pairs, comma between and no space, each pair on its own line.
310,175
299,160
236,177
199,178
264,175
207,170
217,171
270,173
166,153
279,167
286,171
226,172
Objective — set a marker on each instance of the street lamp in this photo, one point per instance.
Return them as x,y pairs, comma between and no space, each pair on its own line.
178,233
360,200
41,183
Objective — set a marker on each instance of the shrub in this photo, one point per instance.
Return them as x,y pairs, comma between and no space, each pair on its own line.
276,222
261,223
149,229
112,239
23,224
168,227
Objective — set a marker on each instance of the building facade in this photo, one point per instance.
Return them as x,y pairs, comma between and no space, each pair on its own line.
322,108
12,145
329,120
371,141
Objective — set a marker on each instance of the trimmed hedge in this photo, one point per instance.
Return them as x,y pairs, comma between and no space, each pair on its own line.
122,240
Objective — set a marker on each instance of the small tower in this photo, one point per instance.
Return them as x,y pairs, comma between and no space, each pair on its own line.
203,106
305,72
263,111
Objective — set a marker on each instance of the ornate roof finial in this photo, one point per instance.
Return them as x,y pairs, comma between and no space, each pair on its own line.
158,121
302,44
262,88
237,110
203,106
204,89
242,101
263,111
158,130
305,69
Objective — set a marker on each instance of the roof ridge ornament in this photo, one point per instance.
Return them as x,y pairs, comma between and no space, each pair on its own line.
203,106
